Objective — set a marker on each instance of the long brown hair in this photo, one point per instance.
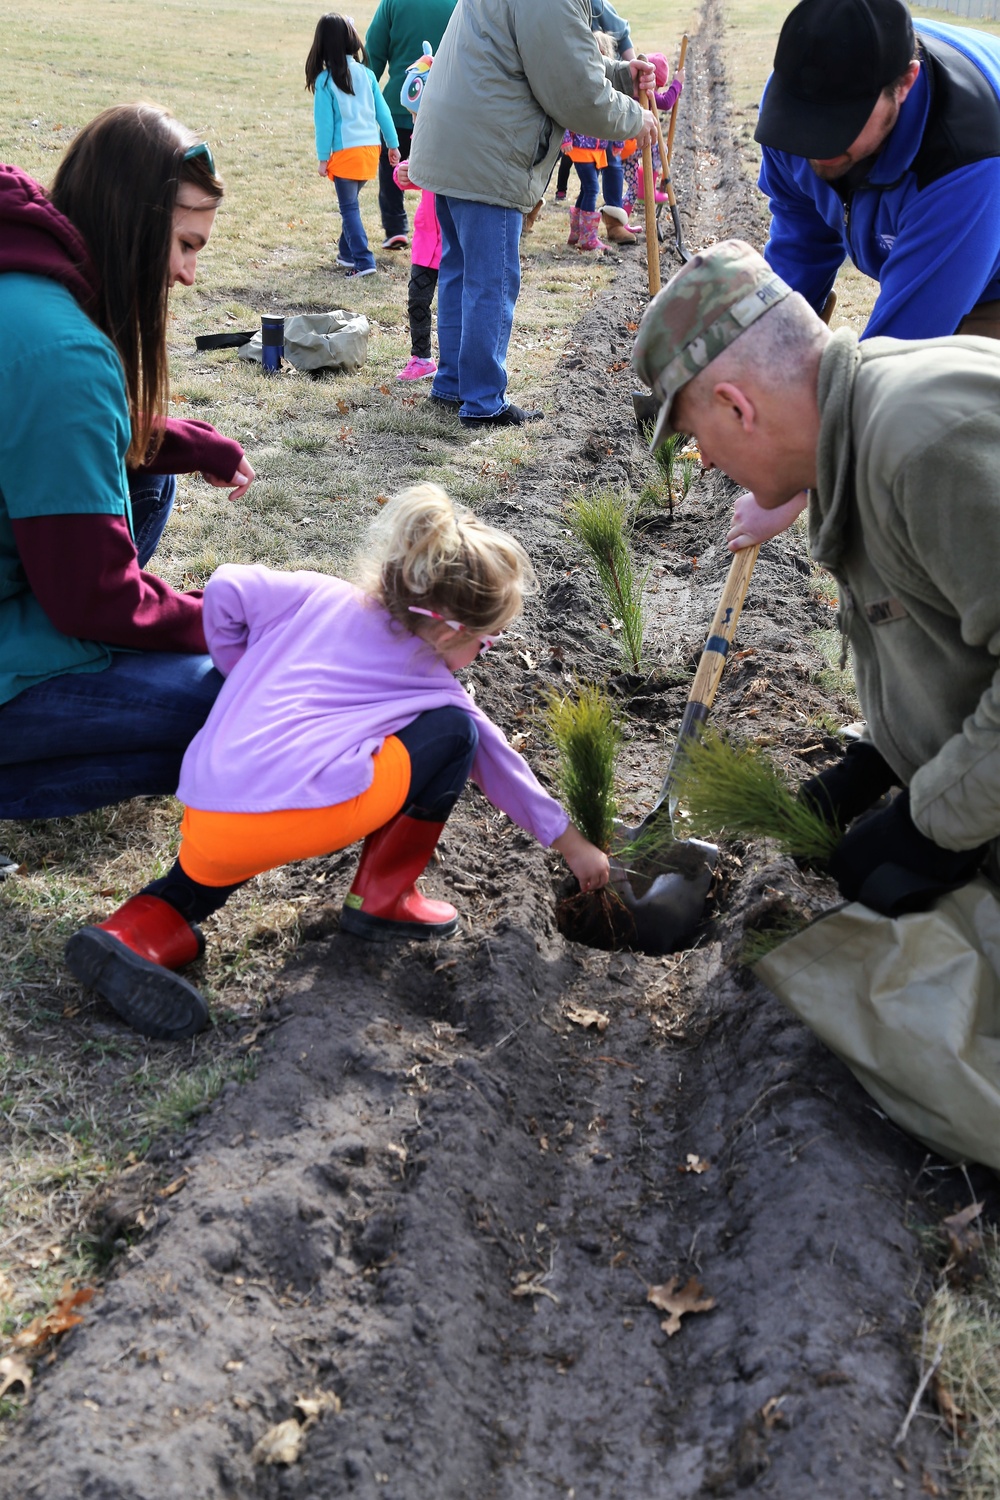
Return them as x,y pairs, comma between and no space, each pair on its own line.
117,183
335,40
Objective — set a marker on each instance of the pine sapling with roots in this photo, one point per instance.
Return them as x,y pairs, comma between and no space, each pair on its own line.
601,523
675,465
735,789
585,729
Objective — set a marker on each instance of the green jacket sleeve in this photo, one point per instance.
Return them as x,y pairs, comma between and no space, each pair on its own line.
382,115
949,497
377,41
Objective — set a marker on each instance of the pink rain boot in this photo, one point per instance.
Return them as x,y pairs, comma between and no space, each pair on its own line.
590,223
574,226
641,191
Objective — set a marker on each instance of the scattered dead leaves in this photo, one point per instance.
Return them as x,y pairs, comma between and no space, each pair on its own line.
57,1320
688,1299
283,1444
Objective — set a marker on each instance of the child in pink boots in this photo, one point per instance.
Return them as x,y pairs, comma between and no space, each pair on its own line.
425,256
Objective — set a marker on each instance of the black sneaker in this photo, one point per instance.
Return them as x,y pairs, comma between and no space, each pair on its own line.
446,403
511,416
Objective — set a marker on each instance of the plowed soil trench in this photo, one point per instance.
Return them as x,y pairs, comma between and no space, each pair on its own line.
444,1201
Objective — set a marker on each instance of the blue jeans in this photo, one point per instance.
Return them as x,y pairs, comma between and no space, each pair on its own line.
613,180
88,739
353,238
587,197
478,283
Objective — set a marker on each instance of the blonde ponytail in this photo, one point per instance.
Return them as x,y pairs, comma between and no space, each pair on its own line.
424,550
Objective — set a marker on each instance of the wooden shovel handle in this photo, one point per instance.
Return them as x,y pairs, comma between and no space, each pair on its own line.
673,112
720,636
649,196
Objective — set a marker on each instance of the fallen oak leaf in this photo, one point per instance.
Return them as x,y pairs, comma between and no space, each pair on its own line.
947,1406
57,1320
312,1407
582,1015
14,1371
668,1299
279,1445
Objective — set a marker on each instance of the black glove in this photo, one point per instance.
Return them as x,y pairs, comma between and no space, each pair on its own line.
888,864
851,786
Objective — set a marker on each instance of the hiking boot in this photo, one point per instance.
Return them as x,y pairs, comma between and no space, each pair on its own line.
509,416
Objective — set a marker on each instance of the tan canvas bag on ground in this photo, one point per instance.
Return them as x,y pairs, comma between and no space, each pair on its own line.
912,1005
336,340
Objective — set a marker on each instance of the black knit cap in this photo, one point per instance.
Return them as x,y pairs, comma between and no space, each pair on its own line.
834,58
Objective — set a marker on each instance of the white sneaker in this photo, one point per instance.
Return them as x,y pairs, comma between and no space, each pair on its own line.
396,242
368,271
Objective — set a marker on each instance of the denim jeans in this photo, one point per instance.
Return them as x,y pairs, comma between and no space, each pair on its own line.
613,180
587,197
152,497
478,283
391,202
88,739
353,237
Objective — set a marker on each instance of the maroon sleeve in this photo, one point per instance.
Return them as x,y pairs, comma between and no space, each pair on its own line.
193,447
84,573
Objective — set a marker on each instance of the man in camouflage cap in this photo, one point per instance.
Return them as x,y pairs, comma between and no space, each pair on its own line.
896,443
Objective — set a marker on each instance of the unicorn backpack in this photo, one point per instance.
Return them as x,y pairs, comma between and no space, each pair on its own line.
416,77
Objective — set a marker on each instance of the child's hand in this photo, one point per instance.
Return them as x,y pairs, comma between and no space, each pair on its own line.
588,863
403,175
322,169
394,156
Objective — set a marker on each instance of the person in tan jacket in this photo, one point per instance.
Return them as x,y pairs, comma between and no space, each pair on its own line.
508,78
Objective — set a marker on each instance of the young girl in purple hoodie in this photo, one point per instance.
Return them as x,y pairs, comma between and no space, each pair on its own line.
339,719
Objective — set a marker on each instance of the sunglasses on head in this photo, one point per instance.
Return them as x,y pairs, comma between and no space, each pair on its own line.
486,641
202,149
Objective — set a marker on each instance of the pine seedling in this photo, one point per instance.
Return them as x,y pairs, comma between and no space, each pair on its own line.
586,733
736,790
601,523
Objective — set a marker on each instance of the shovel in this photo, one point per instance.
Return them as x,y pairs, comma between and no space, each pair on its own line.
666,159
666,917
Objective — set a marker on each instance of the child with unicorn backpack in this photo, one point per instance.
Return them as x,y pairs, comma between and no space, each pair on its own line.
425,257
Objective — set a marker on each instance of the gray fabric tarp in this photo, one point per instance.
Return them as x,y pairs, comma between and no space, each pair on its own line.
912,1006
336,340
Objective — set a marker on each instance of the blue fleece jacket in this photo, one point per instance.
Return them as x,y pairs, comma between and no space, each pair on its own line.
932,241
356,119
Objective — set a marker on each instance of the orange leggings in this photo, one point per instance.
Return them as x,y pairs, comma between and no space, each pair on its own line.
220,848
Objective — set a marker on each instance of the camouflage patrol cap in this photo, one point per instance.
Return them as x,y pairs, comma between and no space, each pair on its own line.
714,298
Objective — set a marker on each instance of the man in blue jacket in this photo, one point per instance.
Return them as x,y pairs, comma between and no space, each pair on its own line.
884,147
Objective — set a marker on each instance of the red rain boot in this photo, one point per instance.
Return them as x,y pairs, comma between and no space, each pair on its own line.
383,901
129,960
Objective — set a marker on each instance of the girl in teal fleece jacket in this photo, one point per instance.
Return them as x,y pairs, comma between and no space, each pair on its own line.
351,119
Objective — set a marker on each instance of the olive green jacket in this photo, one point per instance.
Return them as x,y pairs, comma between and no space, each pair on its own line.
509,77
906,514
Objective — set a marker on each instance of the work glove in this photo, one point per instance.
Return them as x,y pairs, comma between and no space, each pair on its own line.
850,786
885,862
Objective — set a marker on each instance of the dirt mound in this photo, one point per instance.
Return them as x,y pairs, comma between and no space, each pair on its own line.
446,1194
